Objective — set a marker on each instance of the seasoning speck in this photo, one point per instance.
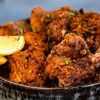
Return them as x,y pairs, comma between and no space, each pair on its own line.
48,16
78,35
85,22
44,73
22,27
64,33
66,62
18,38
21,33
48,38
35,31
72,13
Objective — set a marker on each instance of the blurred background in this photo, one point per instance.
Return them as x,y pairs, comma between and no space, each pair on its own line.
12,10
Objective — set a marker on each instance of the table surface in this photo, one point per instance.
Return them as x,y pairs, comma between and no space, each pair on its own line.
12,10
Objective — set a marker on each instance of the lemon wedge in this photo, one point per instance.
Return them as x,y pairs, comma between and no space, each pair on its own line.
2,60
11,44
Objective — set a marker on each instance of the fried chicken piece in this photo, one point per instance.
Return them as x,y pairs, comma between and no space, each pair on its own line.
85,24
14,28
36,40
38,16
56,29
52,24
95,60
68,62
27,67
72,46
69,72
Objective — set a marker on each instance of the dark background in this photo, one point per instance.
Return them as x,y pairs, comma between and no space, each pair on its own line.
12,10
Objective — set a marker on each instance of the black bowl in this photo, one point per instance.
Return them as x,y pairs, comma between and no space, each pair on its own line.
13,91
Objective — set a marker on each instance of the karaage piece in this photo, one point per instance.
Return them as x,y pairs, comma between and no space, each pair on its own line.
27,67
72,46
38,16
69,72
15,28
68,62
85,24
36,40
56,28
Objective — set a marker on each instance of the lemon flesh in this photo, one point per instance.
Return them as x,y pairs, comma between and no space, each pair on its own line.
11,44
3,60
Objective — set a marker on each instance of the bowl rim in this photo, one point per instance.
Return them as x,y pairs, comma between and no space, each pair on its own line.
46,88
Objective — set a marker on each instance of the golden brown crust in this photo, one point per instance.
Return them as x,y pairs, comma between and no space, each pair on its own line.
72,46
14,28
76,72
68,62
86,25
27,67
36,40
37,18
56,26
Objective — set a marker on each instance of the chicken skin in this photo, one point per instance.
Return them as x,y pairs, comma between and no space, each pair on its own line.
68,62
14,28
27,67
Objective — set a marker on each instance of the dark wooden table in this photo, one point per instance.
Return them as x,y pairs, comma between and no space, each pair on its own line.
12,10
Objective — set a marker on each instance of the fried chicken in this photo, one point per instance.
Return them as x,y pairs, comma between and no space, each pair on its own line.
69,72
52,24
72,46
68,62
85,24
37,18
73,39
36,40
56,28
27,67
14,28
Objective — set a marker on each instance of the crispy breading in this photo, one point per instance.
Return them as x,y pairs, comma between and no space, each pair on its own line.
14,28
87,25
27,67
68,62
37,18
72,46
36,40
74,72
56,26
